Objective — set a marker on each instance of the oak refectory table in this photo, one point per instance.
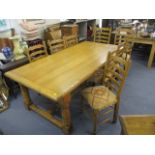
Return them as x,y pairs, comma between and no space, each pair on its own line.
57,75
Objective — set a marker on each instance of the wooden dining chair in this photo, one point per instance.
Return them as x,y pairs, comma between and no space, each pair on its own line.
102,35
70,40
106,97
56,45
137,124
36,50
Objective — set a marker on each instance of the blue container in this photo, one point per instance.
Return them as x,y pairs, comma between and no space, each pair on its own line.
7,52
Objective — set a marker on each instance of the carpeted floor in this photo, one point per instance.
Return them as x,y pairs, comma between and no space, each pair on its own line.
138,97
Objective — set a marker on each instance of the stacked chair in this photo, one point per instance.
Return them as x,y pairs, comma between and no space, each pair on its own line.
56,45
106,96
102,35
36,50
71,40
53,32
59,38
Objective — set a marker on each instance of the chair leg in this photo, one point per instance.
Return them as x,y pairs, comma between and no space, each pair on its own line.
94,122
115,115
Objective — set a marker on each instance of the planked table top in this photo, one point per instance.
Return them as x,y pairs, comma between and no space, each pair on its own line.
59,74
142,40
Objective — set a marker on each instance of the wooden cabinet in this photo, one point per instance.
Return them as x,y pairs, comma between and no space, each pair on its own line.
69,29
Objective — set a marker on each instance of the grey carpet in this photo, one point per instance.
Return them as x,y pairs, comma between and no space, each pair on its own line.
138,97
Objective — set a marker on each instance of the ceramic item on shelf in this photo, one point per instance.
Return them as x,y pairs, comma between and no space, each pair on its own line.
17,50
7,52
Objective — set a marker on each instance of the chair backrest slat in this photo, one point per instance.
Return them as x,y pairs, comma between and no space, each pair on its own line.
56,45
36,50
70,40
115,73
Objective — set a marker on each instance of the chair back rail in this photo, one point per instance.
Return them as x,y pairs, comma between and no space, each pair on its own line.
56,45
36,51
102,35
70,40
115,73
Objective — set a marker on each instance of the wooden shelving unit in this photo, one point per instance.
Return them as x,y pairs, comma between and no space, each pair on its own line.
83,24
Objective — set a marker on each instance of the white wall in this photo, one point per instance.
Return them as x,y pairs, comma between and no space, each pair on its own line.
52,21
14,23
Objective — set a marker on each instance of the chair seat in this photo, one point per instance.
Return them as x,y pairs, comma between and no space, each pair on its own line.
99,97
138,124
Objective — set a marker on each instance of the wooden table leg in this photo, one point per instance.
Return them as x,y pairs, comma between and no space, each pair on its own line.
65,111
150,61
26,96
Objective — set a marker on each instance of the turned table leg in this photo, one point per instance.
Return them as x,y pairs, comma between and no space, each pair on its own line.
150,61
26,96
65,111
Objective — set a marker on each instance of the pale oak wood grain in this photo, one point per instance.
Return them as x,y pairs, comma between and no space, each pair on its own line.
57,75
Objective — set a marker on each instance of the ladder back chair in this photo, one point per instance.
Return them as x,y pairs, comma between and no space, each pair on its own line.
102,35
106,97
123,50
122,41
36,50
56,45
70,40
